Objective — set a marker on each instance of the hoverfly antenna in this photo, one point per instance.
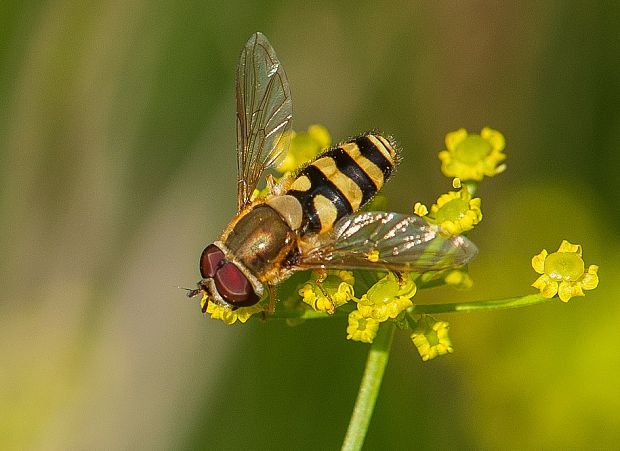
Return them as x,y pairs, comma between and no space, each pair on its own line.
191,292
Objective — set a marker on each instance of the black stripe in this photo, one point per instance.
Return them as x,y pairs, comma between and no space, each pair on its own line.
370,151
349,167
319,184
309,219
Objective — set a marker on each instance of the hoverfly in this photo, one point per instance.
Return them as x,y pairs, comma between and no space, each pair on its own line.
311,220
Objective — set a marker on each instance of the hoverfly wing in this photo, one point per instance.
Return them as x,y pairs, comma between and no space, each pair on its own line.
264,114
393,241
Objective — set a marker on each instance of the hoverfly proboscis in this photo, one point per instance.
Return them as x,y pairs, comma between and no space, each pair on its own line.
311,220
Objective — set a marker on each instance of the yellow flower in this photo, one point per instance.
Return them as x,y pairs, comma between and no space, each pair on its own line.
563,272
472,156
431,338
373,256
361,328
459,279
387,298
346,276
455,212
304,147
230,316
420,209
338,287
384,311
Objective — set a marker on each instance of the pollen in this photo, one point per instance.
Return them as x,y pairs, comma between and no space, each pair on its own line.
373,256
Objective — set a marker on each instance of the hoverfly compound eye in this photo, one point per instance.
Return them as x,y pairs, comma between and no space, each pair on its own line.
234,286
210,260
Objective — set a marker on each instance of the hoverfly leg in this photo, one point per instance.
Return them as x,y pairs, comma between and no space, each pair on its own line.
321,276
204,303
271,307
271,184
399,276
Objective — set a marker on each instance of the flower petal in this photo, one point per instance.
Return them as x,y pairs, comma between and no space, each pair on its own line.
577,289
590,279
568,247
420,209
547,286
496,139
565,291
454,138
538,262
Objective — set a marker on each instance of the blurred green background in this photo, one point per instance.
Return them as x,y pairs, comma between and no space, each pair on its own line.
117,168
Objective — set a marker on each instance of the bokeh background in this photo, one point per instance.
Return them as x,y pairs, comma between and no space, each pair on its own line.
117,168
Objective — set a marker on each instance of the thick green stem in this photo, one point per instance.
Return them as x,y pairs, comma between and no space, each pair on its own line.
369,388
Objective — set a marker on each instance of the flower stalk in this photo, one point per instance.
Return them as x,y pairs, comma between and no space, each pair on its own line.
369,388
453,307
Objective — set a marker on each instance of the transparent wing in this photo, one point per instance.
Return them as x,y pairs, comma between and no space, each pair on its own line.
264,114
381,240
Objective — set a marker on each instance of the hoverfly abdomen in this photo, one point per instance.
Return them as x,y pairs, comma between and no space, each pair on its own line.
341,181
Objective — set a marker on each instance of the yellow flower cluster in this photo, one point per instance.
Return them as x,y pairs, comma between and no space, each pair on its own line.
227,314
325,295
386,299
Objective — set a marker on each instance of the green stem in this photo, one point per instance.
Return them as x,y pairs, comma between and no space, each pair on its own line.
369,388
492,304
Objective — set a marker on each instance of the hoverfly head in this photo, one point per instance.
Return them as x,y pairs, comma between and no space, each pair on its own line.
223,281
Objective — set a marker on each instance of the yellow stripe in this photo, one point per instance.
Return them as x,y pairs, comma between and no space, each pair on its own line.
347,186
385,150
301,184
388,146
289,208
326,211
371,169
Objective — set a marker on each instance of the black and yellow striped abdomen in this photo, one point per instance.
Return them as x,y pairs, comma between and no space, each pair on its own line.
341,180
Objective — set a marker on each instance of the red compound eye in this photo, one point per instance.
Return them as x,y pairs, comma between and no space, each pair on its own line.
234,287
210,260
